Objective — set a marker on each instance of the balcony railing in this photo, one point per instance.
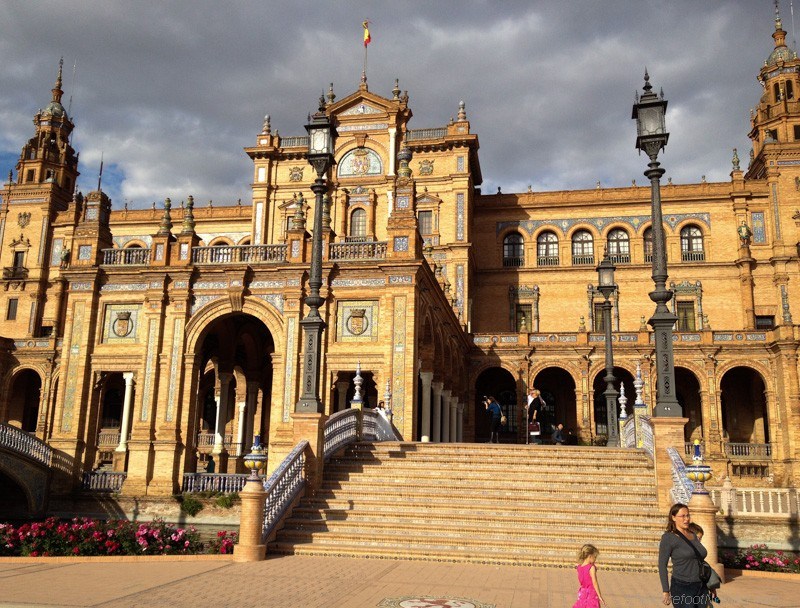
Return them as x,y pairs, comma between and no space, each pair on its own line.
103,481
108,437
15,273
583,260
547,260
513,262
293,142
648,258
620,258
748,450
357,239
693,256
239,254
417,134
214,482
133,256
371,250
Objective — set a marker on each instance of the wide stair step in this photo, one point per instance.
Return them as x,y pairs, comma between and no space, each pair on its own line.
527,505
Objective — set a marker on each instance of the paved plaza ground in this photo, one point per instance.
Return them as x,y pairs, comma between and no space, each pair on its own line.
339,582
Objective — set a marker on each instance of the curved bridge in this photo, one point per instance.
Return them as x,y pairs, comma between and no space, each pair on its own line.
26,460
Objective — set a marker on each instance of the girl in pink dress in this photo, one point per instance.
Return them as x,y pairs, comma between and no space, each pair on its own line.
589,594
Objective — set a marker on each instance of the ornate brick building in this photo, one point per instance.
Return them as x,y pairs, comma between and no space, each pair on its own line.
159,341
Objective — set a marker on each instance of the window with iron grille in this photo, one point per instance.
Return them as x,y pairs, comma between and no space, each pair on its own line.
513,250
582,247
692,244
619,246
358,223
648,244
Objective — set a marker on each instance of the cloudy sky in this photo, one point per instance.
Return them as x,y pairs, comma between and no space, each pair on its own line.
171,91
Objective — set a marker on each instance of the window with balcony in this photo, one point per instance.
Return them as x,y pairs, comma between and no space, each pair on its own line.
686,316
692,244
547,249
513,250
619,246
582,248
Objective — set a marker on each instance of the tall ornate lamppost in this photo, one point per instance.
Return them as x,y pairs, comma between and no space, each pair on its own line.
321,138
649,111
606,286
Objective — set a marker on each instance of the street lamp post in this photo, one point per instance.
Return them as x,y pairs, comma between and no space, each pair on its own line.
321,137
606,286
649,111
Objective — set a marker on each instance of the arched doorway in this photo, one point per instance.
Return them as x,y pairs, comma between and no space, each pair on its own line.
13,500
23,400
500,384
687,389
744,407
623,377
558,391
231,401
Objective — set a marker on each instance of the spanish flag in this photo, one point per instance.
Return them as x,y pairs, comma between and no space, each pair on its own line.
367,38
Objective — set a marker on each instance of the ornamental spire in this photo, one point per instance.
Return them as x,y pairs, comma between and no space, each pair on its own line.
57,92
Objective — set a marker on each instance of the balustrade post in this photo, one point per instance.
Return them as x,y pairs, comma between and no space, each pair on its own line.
425,424
121,451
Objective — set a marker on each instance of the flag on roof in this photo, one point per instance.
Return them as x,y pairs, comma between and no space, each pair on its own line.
367,38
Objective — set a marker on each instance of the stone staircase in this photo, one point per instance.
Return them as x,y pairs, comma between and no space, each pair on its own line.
512,504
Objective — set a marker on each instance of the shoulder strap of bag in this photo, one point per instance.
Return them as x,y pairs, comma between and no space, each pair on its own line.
688,542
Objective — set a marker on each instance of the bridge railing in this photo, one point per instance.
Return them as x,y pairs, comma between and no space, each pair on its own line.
103,481
26,444
226,483
282,488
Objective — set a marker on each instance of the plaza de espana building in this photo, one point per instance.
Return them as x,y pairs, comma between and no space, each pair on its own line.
159,341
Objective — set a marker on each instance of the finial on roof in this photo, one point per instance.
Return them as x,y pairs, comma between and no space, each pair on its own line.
57,92
396,90
462,111
735,160
322,102
778,24
363,80
166,221
647,86
100,175
267,128
188,217
331,94
10,175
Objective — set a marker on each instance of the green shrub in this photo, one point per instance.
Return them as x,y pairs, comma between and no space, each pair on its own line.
191,505
226,501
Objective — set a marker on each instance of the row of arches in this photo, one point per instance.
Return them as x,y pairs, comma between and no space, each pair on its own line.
743,400
618,245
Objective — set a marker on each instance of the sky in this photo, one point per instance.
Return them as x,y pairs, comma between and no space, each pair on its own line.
169,93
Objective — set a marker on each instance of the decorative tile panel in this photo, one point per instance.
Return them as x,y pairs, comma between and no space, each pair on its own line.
459,285
289,365
401,243
211,285
759,227
121,323
399,360
275,299
72,365
123,287
460,216
360,162
149,372
295,248
357,321
400,279
122,240
776,212
174,366
460,164
633,221
358,282
80,286
184,253
402,202
55,254
258,220
267,284
85,252
181,284
200,301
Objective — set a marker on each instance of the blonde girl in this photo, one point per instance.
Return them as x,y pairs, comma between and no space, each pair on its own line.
589,595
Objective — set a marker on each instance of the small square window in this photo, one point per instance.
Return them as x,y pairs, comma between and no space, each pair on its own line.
29,175
686,320
797,132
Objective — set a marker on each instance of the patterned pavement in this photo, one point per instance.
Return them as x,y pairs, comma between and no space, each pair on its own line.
339,582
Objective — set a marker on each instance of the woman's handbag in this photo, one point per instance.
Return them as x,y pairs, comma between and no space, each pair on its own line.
534,428
503,419
707,574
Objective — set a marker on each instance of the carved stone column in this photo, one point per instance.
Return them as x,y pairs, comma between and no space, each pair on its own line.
425,425
341,393
446,415
454,418
224,379
122,449
460,425
436,430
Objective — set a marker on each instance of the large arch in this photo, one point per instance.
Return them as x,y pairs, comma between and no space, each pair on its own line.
689,394
499,383
623,377
743,398
24,395
557,387
231,393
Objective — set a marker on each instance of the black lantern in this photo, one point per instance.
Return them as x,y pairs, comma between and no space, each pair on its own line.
605,274
321,137
649,113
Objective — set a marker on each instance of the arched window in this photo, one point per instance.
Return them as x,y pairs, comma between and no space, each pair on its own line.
547,249
513,252
776,89
692,244
789,90
619,246
358,225
582,248
648,244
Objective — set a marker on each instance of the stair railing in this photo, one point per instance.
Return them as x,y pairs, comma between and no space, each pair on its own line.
340,429
647,436
682,487
25,443
283,487
629,432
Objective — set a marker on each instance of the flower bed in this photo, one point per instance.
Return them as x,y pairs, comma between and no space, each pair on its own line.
758,557
53,537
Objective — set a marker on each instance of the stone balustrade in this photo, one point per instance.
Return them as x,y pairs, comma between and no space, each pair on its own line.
132,256
213,482
103,481
24,443
371,250
239,254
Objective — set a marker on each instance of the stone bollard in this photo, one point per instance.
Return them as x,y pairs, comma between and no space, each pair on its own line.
250,548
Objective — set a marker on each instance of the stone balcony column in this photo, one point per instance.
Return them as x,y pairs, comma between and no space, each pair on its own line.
454,418
446,415
425,424
436,406
224,379
460,424
251,399
341,393
240,428
122,448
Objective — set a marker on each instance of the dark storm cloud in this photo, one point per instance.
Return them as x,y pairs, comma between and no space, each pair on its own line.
171,92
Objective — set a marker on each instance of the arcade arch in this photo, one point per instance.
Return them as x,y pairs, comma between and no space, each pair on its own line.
623,377
743,398
557,387
499,383
23,400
